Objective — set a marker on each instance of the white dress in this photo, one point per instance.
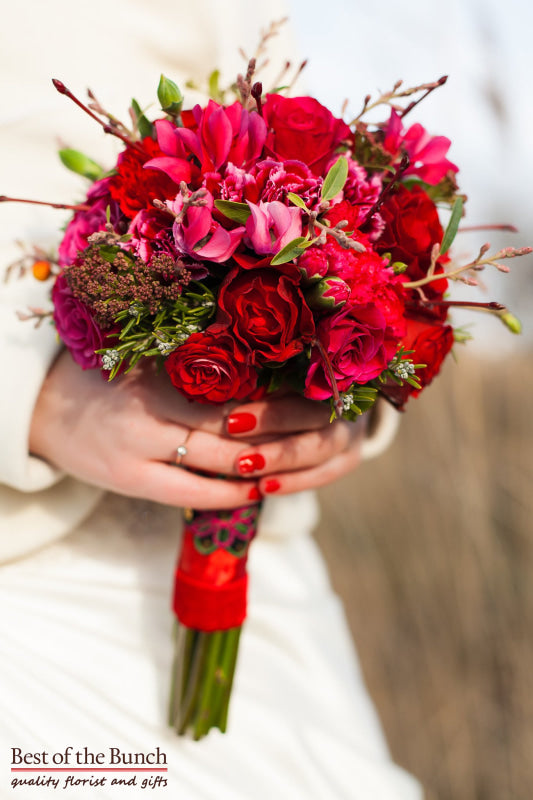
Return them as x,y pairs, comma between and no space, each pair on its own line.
85,583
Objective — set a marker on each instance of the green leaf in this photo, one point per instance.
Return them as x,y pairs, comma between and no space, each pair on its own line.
276,381
294,198
144,126
81,164
335,179
169,96
238,212
453,224
291,251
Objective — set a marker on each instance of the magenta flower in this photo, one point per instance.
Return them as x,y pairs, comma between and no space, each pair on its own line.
426,153
237,185
76,326
271,226
199,235
275,179
84,223
150,234
215,135
354,340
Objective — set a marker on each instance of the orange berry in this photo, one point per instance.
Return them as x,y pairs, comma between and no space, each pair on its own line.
41,270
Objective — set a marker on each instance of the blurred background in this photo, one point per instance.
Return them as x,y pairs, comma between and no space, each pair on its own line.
431,545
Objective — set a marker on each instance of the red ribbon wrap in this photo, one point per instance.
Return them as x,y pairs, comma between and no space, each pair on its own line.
210,590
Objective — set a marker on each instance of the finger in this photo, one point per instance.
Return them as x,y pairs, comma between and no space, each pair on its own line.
203,451
175,486
313,478
298,451
286,414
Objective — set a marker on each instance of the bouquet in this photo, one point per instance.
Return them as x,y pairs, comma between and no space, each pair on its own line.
250,247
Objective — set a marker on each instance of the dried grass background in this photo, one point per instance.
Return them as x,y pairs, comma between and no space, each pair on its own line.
431,548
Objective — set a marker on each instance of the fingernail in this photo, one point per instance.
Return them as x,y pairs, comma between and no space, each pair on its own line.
251,463
254,494
241,422
272,485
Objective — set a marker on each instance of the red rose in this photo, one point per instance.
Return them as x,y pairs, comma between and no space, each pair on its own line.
355,344
431,343
303,129
209,368
412,227
135,187
266,312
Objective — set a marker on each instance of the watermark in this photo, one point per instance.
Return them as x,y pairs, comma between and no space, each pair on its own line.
71,768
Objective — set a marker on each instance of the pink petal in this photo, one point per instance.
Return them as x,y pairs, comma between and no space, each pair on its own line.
257,229
190,140
167,139
219,136
176,168
221,245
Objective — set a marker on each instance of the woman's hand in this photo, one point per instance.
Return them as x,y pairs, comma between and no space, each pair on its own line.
307,450
122,436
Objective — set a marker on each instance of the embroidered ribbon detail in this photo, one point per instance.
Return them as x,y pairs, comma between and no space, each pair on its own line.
210,587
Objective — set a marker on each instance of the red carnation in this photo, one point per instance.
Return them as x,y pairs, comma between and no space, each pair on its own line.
135,187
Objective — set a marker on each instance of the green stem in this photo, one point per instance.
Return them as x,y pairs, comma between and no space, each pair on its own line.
229,663
204,717
192,683
179,635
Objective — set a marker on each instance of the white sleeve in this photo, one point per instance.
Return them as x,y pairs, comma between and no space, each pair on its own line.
37,503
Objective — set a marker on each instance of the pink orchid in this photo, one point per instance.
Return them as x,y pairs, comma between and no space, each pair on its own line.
426,153
272,225
199,235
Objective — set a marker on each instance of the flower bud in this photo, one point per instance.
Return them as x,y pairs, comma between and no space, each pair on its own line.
313,265
511,322
169,96
41,270
81,164
329,293
399,267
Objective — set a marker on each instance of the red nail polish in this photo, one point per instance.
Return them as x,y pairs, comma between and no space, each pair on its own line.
272,485
251,463
254,494
241,422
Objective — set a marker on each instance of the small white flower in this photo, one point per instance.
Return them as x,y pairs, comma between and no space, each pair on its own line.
347,401
165,347
109,359
402,369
